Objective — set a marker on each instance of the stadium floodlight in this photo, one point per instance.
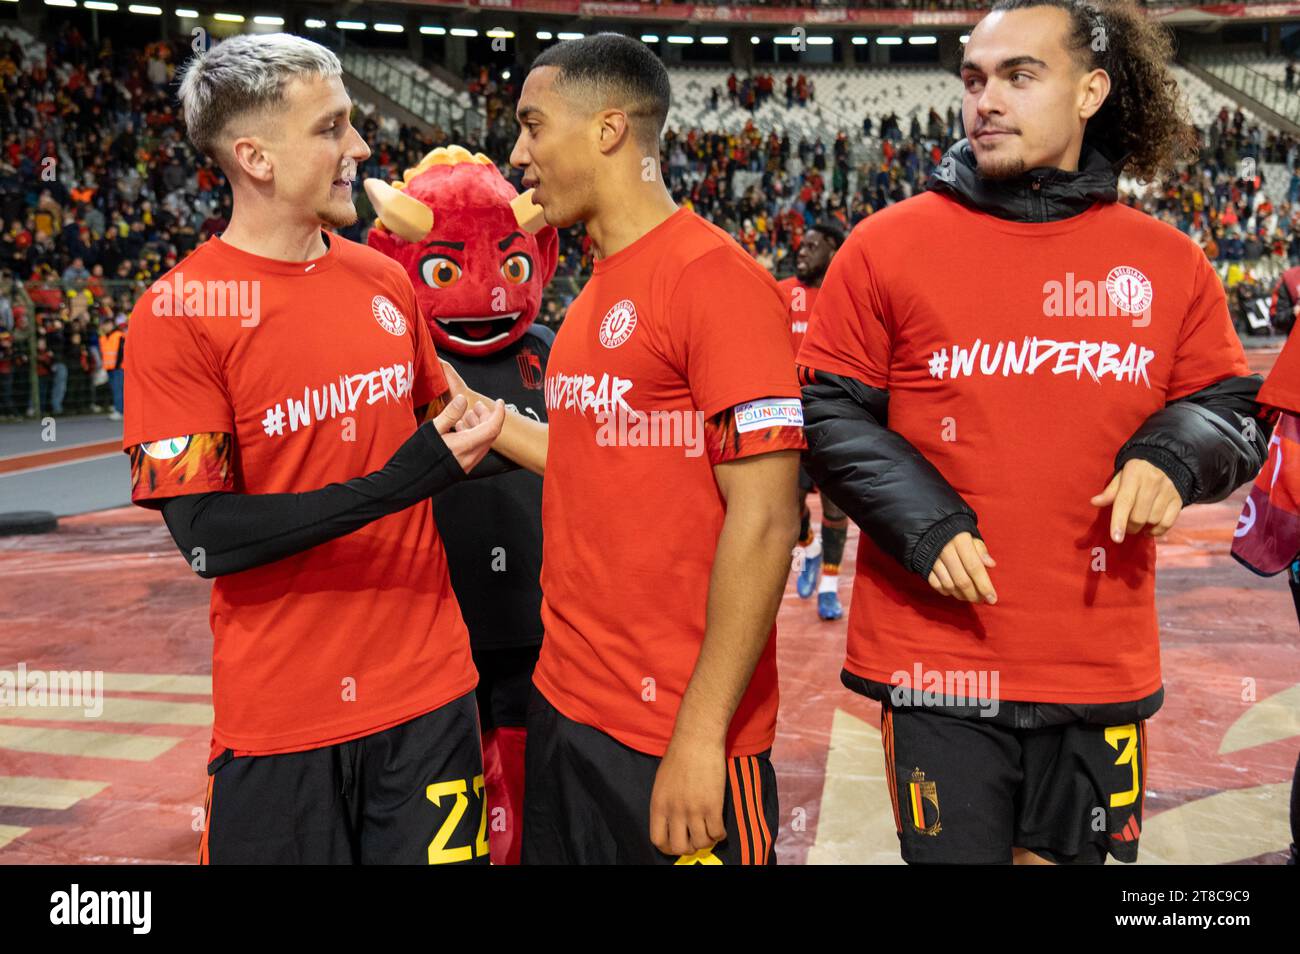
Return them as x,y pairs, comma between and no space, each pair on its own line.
433,31
682,40
859,41
100,5
500,33
922,40
820,40
148,10
60,3
713,40
228,17
185,14
785,40
570,36
964,38
505,74
349,24
889,40
545,35
463,31
269,20
649,38
389,28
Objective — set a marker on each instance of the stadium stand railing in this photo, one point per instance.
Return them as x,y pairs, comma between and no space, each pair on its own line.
410,91
408,85
1242,73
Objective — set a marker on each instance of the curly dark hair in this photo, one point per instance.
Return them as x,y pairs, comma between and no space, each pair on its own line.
1143,121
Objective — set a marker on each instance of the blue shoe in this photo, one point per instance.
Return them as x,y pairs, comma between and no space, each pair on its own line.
809,576
828,606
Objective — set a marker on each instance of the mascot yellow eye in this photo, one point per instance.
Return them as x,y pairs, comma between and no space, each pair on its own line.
439,271
517,268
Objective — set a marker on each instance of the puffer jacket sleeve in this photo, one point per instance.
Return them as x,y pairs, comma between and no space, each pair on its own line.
875,475
1209,443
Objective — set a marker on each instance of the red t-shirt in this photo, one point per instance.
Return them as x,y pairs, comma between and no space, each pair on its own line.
1282,386
983,332
318,383
681,322
799,300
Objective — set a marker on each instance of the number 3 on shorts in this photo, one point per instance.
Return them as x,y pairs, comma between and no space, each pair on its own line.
439,853
1127,735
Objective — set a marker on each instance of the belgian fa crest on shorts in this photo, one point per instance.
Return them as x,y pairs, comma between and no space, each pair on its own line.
923,798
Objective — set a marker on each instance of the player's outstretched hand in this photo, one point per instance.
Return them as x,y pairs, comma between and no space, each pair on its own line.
960,570
1140,496
469,432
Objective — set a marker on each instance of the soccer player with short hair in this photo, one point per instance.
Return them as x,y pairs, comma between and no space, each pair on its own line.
1015,365
668,505
821,551
275,385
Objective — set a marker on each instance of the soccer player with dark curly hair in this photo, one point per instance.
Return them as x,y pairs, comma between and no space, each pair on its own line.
1014,365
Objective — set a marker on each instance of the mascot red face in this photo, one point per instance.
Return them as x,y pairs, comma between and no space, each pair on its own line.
478,253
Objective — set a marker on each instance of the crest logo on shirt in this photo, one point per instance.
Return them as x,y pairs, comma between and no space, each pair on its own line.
1129,289
530,369
389,318
618,324
166,449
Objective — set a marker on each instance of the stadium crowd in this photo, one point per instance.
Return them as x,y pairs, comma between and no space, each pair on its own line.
100,193
751,92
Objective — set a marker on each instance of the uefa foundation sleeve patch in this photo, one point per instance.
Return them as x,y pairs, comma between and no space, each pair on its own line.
769,412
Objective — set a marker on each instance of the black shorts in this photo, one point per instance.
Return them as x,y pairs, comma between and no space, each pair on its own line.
966,790
589,800
806,485
411,794
505,684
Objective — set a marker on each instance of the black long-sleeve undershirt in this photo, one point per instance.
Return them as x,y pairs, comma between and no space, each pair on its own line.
222,532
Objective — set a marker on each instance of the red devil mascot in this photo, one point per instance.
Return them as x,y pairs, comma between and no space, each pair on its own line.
479,256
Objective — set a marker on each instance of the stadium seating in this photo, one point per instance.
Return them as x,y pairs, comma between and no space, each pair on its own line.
32,48
419,74
1204,101
843,98
1274,67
